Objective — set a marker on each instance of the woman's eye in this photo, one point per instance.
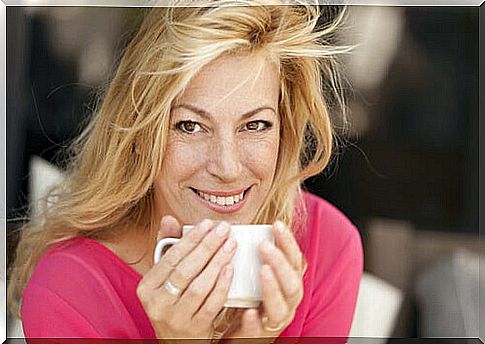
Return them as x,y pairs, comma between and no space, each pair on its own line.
188,127
257,126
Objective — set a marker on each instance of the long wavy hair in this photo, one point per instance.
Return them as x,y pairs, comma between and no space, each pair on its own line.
113,163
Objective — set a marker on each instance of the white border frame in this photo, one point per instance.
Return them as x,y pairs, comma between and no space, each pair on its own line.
132,3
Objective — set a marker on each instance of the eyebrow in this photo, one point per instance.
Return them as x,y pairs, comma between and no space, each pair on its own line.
207,115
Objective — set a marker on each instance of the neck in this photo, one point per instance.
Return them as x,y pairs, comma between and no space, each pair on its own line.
135,248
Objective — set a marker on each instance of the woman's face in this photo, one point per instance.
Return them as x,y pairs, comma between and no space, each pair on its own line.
223,143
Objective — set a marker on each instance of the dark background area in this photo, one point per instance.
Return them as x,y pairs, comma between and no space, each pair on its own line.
419,159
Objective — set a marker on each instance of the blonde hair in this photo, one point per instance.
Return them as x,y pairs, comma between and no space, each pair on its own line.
113,164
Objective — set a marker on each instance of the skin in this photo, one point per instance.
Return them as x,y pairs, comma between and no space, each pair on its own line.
225,150
224,136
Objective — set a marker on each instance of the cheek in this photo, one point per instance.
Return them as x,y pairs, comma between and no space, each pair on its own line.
182,159
261,156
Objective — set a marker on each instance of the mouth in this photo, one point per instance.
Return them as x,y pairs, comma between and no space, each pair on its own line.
223,201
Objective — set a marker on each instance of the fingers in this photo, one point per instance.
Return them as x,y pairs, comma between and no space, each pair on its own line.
275,306
169,227
177,253
251,322
160,271
192,264
201,286
287,243
289,279
216,299
281,277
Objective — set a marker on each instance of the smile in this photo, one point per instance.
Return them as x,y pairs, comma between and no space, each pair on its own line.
219,201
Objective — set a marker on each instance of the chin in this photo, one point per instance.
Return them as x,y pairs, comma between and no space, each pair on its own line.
230,218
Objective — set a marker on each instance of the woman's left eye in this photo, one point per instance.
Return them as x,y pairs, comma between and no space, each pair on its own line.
257,126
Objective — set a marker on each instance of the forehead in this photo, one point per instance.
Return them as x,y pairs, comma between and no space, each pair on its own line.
234,83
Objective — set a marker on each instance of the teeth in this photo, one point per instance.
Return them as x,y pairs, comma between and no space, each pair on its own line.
221,200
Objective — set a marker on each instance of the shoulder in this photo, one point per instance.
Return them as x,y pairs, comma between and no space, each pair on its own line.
70,261
329,240
333,249
76,265
78,271
67,269
324,220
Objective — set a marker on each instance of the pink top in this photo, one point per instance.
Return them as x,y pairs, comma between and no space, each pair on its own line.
82,289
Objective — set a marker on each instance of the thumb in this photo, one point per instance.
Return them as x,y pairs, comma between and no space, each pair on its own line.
169,227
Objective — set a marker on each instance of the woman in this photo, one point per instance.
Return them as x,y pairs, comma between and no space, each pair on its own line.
215,116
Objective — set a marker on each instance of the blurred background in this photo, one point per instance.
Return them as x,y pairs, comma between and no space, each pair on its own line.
406,172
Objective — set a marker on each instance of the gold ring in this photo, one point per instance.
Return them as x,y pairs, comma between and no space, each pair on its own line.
171,288
268,328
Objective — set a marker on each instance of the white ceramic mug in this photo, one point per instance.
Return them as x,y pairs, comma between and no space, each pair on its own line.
245,289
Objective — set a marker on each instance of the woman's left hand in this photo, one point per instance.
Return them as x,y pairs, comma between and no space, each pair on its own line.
282,286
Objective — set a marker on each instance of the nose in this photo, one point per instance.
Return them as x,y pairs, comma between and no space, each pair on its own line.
224,160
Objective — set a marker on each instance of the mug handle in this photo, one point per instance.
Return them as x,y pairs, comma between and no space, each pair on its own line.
161,245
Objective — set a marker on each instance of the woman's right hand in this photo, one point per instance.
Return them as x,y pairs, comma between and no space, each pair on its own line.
199,266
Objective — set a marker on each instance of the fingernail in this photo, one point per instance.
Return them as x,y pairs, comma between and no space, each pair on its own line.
205,225
222,229
229,245
228,271
280,227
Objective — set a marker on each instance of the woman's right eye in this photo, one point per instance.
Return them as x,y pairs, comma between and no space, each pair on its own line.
189,127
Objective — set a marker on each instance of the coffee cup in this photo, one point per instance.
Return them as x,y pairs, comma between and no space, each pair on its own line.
245,289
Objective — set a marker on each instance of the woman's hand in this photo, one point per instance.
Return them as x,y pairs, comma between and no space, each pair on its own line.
197,266
282,285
